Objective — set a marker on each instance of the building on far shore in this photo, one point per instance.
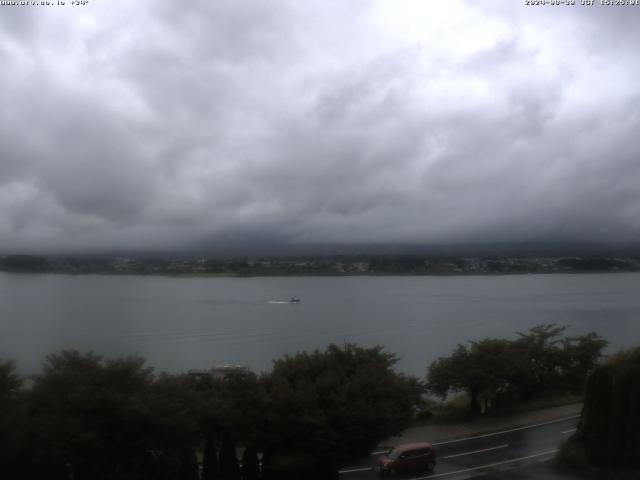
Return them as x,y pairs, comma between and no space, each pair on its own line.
220,371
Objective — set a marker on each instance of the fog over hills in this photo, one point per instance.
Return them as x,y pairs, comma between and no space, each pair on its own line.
230,125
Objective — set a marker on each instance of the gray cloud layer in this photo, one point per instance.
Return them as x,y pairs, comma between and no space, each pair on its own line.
154,124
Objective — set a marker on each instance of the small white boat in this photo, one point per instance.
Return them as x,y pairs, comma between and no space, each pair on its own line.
285,302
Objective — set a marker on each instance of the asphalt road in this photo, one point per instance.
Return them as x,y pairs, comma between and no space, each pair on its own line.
491,455
537,471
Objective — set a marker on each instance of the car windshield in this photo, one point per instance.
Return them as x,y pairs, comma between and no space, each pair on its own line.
394,454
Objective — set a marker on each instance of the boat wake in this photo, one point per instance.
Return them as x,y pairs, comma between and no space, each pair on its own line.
290,301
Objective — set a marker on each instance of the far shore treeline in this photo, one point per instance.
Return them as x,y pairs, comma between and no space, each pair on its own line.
355,264
89,417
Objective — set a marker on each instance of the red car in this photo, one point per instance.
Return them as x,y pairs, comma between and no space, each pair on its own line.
410,457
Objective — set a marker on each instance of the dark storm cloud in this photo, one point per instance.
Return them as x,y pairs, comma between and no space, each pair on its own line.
161,124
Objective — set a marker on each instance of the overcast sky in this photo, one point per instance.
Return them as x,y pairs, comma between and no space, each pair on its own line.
156,124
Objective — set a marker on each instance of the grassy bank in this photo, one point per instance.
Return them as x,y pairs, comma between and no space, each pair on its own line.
457,409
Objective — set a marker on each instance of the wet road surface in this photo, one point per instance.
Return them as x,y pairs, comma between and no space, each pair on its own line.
491,455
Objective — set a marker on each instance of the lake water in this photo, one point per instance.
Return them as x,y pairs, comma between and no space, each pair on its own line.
184,323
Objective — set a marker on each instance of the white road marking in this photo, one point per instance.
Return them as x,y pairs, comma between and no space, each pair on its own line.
569,431
477,451
485,435
354,470
380,452
490,465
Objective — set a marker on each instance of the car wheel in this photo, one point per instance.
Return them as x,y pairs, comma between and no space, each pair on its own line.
431,466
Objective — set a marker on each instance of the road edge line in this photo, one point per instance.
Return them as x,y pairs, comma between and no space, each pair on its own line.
489,465
506,445
515,429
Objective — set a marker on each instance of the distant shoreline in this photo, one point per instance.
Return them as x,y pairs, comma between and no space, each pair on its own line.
334,266
306,275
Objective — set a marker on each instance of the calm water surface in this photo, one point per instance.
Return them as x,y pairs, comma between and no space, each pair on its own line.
183,323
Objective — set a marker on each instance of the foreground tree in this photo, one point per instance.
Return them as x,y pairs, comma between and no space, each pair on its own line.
581,355
229,466
11,421
250,464
498,371
328,407
539,358
10,384
210,457
485,371
89,418
609,430
231,413
548,362
175,429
